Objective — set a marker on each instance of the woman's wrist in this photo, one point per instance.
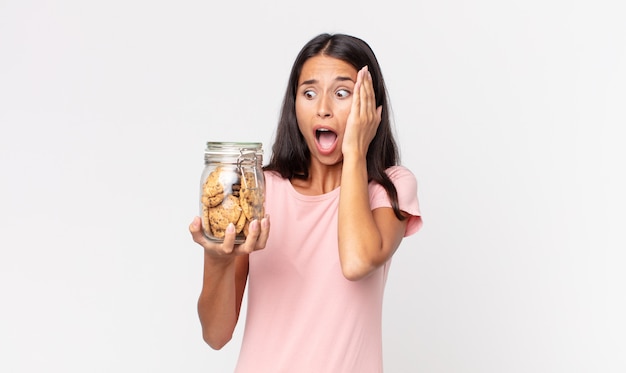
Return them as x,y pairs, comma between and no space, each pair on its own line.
218,260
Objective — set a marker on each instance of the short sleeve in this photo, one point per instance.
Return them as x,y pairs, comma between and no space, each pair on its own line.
406,186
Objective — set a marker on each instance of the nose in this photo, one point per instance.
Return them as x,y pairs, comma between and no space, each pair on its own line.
324,107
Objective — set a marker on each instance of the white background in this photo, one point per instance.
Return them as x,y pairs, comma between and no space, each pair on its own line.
508,112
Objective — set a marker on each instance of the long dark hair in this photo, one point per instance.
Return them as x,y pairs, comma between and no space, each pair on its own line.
290,154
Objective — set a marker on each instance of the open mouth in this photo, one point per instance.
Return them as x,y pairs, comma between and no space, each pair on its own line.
325,138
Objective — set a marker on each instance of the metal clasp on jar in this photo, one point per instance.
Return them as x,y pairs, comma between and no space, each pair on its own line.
244,155
251,194
247,157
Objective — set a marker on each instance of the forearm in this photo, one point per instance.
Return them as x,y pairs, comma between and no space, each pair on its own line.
217,305
360,242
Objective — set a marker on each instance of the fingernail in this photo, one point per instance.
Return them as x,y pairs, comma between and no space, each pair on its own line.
230,228
195,223
254,225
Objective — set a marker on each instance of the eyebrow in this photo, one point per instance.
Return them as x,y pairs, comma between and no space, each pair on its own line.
338,79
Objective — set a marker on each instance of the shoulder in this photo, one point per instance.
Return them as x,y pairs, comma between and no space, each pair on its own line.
271,174
273,177
401,176
398,171
275,183
402,179
406,187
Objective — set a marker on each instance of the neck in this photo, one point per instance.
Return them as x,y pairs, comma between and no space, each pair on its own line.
322,179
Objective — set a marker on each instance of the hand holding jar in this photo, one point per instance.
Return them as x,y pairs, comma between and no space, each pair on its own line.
232,196
256,239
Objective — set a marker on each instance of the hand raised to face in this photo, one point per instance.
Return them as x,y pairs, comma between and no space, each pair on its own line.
364,117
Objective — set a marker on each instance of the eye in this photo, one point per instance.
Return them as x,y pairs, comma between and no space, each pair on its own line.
309,94
342,93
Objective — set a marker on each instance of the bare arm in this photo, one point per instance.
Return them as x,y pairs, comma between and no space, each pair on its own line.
367,239
224,279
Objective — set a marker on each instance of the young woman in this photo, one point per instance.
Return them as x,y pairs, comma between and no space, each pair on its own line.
340,205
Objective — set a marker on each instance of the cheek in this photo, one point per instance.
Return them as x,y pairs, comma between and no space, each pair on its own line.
342,112
302,114
299,118
302,108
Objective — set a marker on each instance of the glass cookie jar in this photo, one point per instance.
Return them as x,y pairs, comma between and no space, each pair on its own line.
232,188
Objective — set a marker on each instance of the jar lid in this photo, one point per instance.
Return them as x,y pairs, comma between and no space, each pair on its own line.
232,148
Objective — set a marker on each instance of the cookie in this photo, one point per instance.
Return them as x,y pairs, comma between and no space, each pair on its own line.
213,189
246,228
250,197
248,181
240,223
251,203
220,216
212,201
230,196
206,225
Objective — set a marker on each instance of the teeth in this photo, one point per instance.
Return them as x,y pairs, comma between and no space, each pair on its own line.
319,131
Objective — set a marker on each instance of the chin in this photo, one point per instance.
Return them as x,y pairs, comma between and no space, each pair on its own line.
329,160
